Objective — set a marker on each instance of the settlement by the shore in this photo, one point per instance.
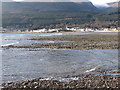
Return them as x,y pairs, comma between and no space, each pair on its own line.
65,29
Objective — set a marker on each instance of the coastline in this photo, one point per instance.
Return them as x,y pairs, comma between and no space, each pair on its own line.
91,41
84,82
66,32
79,42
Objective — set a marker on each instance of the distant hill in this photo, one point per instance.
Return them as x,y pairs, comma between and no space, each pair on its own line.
114,4
21,7
34,15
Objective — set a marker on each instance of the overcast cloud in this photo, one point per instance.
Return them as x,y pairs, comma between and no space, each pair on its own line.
47,0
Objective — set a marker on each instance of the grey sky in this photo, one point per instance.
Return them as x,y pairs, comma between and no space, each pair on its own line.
47,0
7,0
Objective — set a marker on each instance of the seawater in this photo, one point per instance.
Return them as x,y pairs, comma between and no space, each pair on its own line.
23,64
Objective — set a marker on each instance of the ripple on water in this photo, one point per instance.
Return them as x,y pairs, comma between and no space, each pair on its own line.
23,63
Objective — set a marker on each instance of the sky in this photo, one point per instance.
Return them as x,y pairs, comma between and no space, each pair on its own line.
102,2
95,2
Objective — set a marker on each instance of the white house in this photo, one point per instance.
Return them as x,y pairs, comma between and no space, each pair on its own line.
89,29
114,29
81,30
54,30
71,29
105,29
40,30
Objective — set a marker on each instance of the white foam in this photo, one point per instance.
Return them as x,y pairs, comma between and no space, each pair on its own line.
68,79
93,69
61,79
50,78
9,44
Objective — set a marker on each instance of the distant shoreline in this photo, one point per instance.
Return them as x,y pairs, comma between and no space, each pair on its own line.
64,32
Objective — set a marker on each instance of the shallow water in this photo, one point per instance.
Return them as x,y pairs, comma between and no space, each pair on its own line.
22,64
21,39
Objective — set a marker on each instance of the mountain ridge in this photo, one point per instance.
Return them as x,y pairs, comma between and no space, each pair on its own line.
114,4
35,15
46,6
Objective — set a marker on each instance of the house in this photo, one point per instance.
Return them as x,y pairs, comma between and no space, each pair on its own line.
71,29
89,29
82,30
114,29
52,30
105,29
40,30
55,30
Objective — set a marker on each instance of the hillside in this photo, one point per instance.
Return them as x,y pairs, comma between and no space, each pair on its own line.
114,4
34,15
20,7
37,14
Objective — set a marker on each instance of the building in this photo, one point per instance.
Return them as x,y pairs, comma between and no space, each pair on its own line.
40,30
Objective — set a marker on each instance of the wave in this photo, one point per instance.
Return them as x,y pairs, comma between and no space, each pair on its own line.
61,79
90,70
5,45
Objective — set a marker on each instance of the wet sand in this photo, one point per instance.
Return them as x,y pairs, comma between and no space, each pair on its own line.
91,41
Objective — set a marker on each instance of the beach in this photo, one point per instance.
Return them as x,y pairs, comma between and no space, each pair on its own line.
59,44
91,41
79,61
85,82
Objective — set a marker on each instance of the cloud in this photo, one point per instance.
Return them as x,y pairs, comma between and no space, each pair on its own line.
101,2
18,0
7,0
48,0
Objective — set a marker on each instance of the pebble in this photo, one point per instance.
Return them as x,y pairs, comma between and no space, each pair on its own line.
87,81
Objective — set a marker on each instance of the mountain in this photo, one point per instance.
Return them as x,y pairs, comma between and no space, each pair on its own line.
21,7
114,4
37,14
